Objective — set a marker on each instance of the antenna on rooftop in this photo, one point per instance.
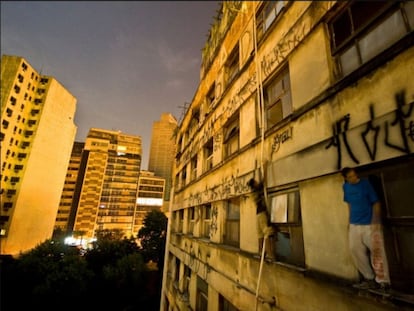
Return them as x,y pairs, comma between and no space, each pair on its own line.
183,111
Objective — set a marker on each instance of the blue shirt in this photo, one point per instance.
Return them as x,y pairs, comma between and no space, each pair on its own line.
360,196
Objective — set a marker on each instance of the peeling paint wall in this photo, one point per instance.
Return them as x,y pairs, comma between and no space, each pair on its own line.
363,119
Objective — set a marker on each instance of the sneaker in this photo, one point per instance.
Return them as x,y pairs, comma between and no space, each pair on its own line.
366,284
384,287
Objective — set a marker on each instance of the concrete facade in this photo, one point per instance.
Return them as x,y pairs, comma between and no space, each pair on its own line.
287,89
36,140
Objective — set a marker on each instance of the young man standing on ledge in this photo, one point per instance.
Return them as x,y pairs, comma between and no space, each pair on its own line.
365,236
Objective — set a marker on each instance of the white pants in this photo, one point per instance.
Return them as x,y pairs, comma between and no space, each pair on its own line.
365,257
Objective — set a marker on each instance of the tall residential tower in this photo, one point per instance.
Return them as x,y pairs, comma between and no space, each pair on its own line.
163,149
37,134
108,189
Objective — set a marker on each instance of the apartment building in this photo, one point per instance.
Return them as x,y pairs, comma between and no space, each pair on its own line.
162,151
37,134
70,194
108,186
150,196
294,91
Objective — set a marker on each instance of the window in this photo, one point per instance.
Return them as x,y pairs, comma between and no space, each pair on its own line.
183,176
285,212
5,123
206,217
202,295
277,99
208,155
232,229
13,100
194,167
232,65
195,119
28,133
11,192
20,78
18,167
177,270
266,15
187,279
22,155
191,220
14,180
225,305
231,136
394,183
362,30
7,205
17,89
211,95
180,220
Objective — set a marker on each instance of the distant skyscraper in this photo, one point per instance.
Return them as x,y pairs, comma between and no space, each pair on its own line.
108,184
150,196
37,134
163,148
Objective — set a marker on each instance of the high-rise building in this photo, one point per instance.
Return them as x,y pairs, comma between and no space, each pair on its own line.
108,184
150,196
291,92
163,149
70,194
37,134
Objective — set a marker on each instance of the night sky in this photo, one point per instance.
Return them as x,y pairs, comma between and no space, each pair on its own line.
126,62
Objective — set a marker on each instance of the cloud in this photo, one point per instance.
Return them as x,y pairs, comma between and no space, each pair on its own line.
176,61
175,83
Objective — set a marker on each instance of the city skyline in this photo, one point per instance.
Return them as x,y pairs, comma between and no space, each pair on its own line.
136,60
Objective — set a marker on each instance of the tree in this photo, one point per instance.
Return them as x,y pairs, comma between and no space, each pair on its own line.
153,235
48,274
